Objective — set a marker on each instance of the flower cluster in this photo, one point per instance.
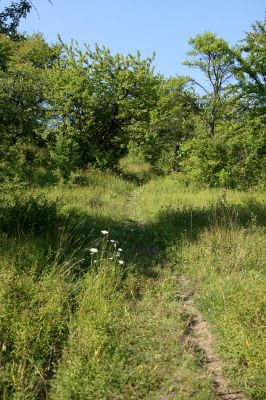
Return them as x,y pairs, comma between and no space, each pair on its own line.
93,250
116,252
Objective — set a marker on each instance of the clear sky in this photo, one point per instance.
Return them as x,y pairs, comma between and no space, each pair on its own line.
163,26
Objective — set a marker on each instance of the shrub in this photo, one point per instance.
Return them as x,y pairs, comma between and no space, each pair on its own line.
233,158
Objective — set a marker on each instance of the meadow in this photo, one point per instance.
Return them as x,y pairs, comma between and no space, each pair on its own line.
109,323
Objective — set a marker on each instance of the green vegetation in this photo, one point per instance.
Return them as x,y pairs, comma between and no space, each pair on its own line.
219,246
230,290
83,328
73,327
64,108
121,190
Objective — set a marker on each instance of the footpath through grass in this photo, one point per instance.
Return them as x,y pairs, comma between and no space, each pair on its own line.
77,325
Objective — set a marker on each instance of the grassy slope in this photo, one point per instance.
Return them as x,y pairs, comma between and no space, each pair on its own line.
219,243
84,330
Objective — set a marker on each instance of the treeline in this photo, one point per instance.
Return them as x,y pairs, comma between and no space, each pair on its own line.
64,108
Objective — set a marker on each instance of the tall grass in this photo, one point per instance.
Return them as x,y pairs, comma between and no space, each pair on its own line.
126,343
227,271
79,326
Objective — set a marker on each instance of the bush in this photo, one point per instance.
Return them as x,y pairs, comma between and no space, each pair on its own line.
233,158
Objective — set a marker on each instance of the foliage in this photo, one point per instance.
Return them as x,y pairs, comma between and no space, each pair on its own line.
232,109
171,122
64,109
234,158
95,101
11,15
214,58
22,104
251,71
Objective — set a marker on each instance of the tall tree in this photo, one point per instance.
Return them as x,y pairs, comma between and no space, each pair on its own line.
22,102
250,70
11,15
213,57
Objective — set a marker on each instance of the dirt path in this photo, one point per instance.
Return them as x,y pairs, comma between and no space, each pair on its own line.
199,338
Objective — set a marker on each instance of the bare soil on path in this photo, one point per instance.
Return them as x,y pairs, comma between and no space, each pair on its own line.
199,338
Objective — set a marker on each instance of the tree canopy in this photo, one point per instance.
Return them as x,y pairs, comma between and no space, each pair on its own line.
64,108
11,15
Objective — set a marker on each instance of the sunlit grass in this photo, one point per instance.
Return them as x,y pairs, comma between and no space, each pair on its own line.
106,324
127,344
227,271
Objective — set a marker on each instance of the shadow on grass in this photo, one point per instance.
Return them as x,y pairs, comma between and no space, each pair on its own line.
141,177
70,236
45,178
57,238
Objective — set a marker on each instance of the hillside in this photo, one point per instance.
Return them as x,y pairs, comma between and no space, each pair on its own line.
114,323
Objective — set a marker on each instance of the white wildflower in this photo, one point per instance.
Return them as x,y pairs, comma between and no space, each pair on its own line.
121,262
104,232
119,249
93,250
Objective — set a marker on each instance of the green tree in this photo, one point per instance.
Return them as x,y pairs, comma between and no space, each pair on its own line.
11,15
96,100
235,157
22,102
171,122
250,70
6,47
213,57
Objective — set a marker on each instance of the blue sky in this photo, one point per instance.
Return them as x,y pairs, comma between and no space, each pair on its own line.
163,26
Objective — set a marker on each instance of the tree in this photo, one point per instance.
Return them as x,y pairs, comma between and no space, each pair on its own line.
232,106
96,100
215,59
171,122
11,15
22,102
6,51
250,70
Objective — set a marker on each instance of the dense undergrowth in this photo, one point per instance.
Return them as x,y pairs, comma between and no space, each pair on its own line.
77,325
